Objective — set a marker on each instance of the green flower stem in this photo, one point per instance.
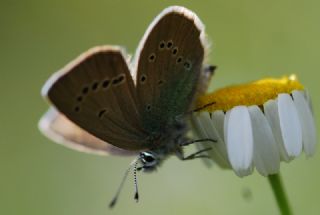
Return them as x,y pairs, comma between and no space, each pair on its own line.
278,191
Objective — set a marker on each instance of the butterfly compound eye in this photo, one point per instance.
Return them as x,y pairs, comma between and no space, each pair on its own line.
148,159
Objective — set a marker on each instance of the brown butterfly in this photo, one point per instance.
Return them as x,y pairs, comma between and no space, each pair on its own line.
105,104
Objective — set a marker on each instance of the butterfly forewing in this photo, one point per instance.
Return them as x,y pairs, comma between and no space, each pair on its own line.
96,91
169,62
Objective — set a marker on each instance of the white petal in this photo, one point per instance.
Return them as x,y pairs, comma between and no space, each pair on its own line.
240,140
307,122
225,126
200,122
218,121
309,101
197,128
208,126
211,133
200,134
271,113
266,155
217,118
290,125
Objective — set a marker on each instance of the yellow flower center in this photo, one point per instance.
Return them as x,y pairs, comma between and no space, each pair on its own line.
254,93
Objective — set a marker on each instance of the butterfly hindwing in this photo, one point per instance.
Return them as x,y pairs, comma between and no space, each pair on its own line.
168,62
96,91
58,128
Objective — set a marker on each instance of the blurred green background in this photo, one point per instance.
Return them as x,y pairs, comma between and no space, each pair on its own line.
251,40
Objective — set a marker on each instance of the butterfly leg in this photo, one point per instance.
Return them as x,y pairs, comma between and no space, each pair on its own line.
186,143
198,154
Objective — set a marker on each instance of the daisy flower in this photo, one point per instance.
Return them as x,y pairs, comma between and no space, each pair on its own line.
256,125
